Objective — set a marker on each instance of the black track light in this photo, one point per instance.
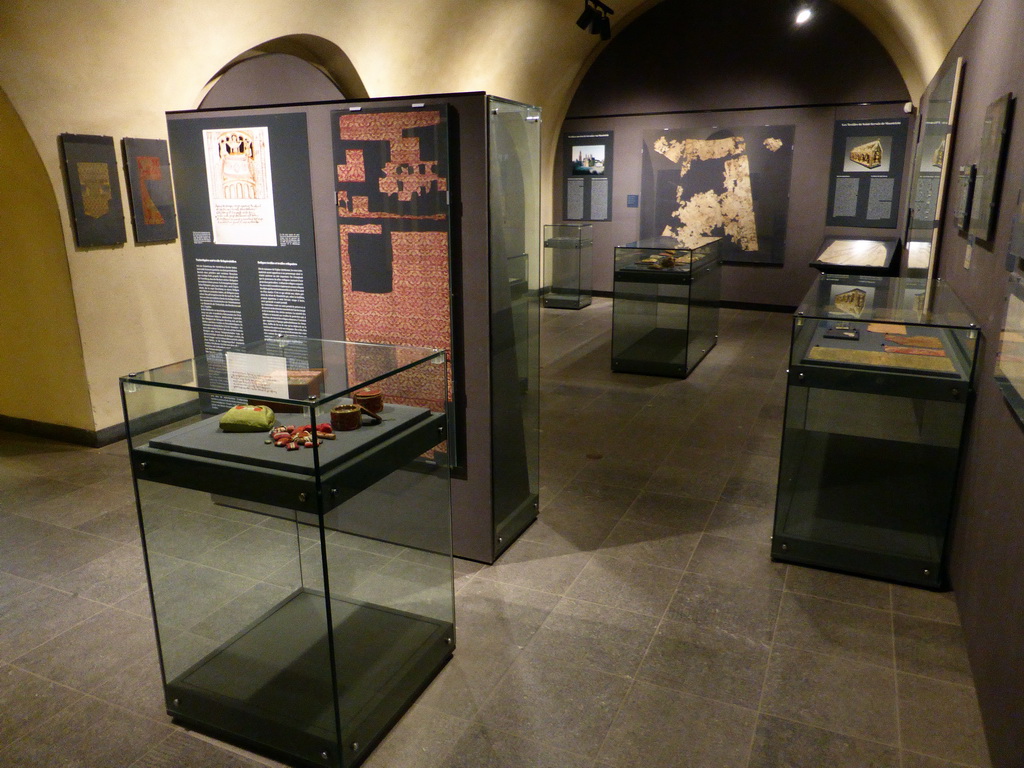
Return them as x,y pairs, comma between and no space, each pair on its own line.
594,19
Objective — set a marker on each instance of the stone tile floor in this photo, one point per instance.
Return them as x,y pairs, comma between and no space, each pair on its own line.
639,622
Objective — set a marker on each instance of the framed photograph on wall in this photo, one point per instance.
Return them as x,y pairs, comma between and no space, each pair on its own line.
148,171
991,162
94,189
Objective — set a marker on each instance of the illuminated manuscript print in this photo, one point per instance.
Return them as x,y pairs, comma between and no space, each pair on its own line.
391,171
729,183
240,184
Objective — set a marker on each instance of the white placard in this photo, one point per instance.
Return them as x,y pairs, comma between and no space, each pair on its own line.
240,185
257,374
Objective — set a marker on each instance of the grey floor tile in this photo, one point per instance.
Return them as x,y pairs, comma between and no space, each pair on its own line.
12,586
925,604
565,705
745,562
33,618
120,524
81,504
753,493
421,739
537,566
662,728
741,521
839,586
693,470
181,748
780,743
27,700
686,514
706,662
254,552
107,579
188,595
501,611
85,655
483,747
941,719
138,687
932,649
724,606
838,629
58,551
640,542
469,678
568,530
635,587
578,632
833,693
88,733
187,535
914,760
240,612
591,498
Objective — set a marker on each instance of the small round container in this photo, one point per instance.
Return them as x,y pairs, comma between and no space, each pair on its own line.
371,398
345,418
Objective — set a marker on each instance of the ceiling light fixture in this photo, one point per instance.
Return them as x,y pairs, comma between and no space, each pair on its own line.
594,19
804,15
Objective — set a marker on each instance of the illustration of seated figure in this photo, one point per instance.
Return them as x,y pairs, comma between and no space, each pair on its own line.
238,172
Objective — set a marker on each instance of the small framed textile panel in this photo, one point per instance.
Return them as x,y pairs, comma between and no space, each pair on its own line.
94,189
148,171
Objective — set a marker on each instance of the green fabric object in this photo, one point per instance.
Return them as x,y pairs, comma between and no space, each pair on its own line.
247,418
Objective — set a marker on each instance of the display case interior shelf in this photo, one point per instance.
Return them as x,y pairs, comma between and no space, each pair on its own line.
665,306
302,598
879,389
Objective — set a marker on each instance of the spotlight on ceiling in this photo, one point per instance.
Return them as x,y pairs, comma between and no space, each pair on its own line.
804,14
594,19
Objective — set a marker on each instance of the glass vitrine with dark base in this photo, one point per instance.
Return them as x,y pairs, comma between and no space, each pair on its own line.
880,385
665,306
568,265
302,593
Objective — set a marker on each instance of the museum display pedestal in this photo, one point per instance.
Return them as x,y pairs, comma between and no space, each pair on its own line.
878,395
664,306
568,265
302,596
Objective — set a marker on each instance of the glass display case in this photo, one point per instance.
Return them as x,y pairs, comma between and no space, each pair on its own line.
301,585
665,305
568,259
879,388
514,361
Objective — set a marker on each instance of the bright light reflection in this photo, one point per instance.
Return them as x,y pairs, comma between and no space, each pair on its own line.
803,16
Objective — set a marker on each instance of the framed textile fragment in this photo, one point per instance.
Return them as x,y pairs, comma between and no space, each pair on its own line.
391,196
148,171
991,162
94,189
731,183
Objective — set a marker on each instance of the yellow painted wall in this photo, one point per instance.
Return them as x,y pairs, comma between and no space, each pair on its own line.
42,373
114,67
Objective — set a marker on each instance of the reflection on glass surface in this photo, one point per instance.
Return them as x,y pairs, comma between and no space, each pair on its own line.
302,596
665,306
514,151
568,259
879,390
930,170
1010,362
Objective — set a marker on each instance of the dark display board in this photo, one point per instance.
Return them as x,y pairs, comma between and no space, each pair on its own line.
148,170
94,192
247,228
991,162
731,183
867,168
587,192
392,192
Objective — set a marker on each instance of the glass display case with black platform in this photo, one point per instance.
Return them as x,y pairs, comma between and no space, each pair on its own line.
568,260
302,593
665,305
879,389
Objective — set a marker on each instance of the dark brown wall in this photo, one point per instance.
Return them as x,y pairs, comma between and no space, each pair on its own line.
735,64
988,549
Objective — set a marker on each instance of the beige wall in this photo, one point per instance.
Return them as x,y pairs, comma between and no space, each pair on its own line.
114,67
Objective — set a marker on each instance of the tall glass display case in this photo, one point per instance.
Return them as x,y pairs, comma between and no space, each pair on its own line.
568,260
665,306
301,586
876,405
514,194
